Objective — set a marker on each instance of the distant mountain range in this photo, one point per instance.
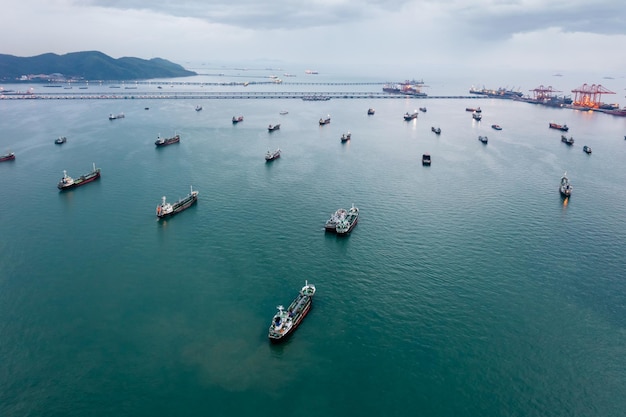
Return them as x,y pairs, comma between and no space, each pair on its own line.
89,65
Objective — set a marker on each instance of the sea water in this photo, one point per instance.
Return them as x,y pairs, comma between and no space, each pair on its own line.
468,288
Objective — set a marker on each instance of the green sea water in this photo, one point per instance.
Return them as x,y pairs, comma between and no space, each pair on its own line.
468,288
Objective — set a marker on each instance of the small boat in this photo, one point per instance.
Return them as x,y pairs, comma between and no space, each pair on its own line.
410,116
346,137
426,159
564,128
483,139
272,128
283,112
270,156
60,140
325,121
565,188
166,141
587,149
237,119
423,109
496,127
436,130
68,182
166,209
370,111
7,157
347,223
146,108
116,116
331,224
198,108
567,141
477,116
284,322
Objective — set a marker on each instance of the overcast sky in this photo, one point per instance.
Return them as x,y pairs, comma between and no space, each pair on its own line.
368,35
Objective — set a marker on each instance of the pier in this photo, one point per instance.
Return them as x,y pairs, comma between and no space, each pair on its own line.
204,95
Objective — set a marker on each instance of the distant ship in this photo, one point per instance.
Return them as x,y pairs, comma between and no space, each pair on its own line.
286,322
499,93
270,156
410,116
426,159
272,128
483,139
409,88
68,182
564,128
166,209
325,121
436,130
167,141
7,157
565,187
335,218
237,119
346,137
567,141
60,140
345,225
116,116
371,111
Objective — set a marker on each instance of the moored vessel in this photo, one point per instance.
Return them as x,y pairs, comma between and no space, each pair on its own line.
166,209
7,157
436,130
483,139
335,218
67,182
557,126
410,116
426,159
166,141
567,141
565,188
496,127
347,223
370,111
116,116
272,128
346,137
237,119
477,115
587,149
60,140
270,156
285,322
324,121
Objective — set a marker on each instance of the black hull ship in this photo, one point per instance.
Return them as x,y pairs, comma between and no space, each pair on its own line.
483,139
565,188
436,130
116,116
165,209
270,156
411,116
426,159
567,141
325,121
7,157
346,137
67,182
342,221
285,322
237,119
272,128
167,141
60,140
371,111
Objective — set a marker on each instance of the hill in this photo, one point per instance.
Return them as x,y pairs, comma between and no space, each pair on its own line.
89,65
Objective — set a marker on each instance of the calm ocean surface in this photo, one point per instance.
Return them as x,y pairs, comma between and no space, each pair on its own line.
469,288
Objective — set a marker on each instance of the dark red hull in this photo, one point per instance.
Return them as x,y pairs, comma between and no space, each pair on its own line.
85,179
7,158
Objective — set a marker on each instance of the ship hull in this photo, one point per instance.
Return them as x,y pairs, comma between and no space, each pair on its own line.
281,338
180,206
85,179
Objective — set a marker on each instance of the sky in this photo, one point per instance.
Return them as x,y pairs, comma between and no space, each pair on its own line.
367,36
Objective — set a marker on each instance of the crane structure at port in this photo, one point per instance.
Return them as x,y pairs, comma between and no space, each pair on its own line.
542,93
590,96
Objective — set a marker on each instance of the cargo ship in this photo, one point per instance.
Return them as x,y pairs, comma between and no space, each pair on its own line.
67,182
284,323
167,141
166,209
409,88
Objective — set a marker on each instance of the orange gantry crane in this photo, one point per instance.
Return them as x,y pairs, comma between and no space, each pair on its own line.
590,96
